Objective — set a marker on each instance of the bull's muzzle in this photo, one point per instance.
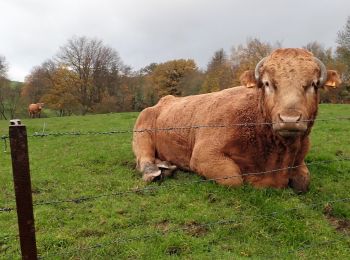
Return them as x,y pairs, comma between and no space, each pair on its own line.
290,125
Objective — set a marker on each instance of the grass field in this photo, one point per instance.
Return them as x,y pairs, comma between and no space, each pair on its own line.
180,217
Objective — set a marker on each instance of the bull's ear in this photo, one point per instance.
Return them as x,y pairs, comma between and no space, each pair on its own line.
247,79
333,79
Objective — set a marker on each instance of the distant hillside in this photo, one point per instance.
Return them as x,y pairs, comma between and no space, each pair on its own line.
15,83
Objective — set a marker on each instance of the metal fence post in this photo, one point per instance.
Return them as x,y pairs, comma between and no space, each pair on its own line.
23,190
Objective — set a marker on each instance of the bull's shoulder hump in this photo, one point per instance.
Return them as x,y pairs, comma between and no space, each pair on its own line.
166,99
237,93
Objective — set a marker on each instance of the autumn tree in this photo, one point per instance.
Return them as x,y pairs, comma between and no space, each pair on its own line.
38,82
62,95
219,73
98,68
145,93
192,83
167,76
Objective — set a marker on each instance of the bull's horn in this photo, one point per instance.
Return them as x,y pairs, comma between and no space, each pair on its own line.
323,69
256,73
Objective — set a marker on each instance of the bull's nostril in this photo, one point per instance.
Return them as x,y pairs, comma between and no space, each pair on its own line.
289,119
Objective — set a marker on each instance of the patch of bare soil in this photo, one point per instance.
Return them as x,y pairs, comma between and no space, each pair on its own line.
341,225
174,250
163,225
195,229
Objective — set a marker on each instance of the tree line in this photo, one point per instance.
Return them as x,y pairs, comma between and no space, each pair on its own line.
86,76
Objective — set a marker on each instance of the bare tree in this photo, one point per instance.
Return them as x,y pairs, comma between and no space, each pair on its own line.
245,57
98,68
3,86
325,55
3,67
343,49
252,52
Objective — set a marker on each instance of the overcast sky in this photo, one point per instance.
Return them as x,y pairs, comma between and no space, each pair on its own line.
145,31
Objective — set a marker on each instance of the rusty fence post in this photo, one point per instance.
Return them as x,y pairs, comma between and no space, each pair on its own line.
23,189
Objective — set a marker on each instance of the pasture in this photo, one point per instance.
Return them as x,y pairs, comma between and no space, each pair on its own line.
182,217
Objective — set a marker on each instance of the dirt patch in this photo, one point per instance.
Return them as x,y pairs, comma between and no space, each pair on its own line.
339,153
341,225
36,190
174,250
121,211
212,198
195,229
90,233
163,225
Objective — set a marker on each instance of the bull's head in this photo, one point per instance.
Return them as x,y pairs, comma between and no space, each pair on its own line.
288,81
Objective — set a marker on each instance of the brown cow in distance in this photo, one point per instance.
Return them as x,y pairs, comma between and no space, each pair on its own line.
34,110
268,125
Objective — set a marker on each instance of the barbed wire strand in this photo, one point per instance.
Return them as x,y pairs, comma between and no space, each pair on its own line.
154,188
79,133
312,245
203,225
229,221
208,224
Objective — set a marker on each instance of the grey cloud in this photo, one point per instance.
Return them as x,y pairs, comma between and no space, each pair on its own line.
158,30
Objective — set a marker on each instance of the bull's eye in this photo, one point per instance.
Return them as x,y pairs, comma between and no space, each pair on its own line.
315,85
312,88
269,88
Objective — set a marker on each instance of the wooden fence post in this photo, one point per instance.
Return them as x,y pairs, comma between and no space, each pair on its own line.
23,189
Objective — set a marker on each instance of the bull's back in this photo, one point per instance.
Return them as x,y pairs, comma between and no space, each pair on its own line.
176,141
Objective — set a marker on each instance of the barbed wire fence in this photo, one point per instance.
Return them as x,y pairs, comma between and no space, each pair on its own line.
82,199
209,224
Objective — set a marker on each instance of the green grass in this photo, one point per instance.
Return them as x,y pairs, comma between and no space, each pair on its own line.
180,218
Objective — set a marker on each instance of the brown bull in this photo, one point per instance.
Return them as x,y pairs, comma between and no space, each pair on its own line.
34,110
268,125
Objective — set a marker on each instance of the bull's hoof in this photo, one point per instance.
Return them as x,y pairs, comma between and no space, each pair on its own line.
153,176
151,172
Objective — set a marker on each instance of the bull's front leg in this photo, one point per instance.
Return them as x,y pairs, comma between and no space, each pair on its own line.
299,179
213,164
